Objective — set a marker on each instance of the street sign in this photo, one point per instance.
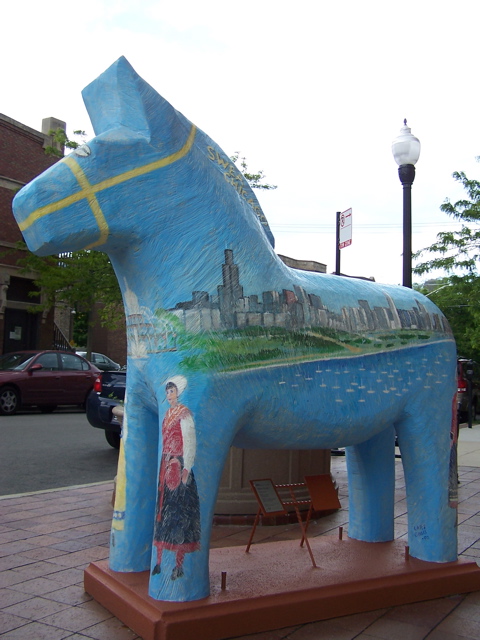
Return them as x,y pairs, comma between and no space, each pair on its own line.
345,229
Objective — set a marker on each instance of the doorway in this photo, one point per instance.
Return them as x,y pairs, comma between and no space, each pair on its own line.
20,331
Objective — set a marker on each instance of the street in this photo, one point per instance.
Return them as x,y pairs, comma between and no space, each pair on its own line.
47,451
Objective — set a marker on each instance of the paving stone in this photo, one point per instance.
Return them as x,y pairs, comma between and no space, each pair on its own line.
36,631
35,609
42,595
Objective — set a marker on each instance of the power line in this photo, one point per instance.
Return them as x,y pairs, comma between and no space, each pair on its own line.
294,230
381,225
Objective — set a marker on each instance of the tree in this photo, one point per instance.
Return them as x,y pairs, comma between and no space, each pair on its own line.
78,280
458,252
457,249
253,179
459,299
60,142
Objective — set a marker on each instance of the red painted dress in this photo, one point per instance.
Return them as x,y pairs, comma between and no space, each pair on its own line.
177,521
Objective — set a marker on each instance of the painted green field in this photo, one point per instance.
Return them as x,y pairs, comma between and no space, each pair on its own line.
259,346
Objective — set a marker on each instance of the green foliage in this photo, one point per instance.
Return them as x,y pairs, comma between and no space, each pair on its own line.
254,347
459,299
253,179
80,329
454,252
78,279
457,250
61,141
251,347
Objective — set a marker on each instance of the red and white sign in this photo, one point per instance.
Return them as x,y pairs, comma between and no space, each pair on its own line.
345,231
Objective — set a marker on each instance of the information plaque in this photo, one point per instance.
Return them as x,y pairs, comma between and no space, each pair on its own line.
268,498
323,492
270,504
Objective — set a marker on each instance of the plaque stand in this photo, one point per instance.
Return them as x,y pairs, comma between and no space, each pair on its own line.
317,492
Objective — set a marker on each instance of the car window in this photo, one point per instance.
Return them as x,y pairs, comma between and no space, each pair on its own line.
71,362
15,361
100,358
49,361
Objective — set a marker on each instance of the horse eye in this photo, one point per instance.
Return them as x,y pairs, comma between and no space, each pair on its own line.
83,151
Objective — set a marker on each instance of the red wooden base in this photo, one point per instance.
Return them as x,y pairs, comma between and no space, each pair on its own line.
275,586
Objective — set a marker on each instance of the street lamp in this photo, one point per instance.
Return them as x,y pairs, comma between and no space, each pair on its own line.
406,151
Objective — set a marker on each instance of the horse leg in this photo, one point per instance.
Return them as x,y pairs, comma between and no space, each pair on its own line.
425,443
371,487
190,580
131,536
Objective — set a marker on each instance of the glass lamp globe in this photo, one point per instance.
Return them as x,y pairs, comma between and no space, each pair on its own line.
406,147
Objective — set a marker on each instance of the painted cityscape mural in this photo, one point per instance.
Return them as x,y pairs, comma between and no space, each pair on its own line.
229,346
243,331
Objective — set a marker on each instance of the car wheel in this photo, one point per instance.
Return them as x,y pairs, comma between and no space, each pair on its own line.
9,401
47,408
113,438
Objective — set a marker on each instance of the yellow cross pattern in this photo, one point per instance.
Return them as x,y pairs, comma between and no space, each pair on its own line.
88,190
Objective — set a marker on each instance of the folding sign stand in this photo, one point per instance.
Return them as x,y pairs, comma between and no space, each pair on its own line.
271,504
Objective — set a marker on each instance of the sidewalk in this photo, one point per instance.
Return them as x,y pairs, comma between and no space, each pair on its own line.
47,539
469,446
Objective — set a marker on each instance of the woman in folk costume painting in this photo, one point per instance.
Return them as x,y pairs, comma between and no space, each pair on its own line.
177,517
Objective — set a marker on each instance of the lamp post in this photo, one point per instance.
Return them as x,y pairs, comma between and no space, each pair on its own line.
406,151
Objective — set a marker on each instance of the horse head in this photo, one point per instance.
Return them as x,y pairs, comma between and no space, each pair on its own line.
105,184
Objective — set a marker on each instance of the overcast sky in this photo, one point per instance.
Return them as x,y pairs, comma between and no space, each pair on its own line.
312,92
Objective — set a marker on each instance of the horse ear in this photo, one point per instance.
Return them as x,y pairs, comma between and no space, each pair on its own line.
119,97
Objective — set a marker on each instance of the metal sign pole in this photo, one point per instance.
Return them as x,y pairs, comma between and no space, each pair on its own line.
337,246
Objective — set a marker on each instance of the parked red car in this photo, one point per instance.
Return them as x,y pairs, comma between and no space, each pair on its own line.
44,379
468,371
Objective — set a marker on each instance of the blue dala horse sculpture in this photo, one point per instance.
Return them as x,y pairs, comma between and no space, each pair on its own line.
229,346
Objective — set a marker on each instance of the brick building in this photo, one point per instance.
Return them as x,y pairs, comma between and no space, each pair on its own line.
22,158
109,340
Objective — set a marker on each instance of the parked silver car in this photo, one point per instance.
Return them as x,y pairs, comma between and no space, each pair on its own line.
101,361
